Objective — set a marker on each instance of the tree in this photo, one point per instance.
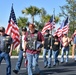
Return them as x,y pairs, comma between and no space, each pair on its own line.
22,21
47,18
32,10
70,10
44,17
39,25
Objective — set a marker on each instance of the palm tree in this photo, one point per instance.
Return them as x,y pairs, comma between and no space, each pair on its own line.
22,21
32,10
47,17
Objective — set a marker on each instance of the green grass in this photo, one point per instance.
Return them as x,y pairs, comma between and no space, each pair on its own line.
15,53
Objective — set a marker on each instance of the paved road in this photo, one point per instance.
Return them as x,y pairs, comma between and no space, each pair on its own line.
61,69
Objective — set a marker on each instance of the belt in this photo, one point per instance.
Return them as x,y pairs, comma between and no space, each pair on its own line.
21,49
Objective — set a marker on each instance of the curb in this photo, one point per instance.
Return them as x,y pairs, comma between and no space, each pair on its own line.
42,56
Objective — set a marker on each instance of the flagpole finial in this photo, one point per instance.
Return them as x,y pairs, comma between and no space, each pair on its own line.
12,4
53,11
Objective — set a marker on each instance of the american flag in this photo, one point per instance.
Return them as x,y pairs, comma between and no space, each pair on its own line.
59,30
63,29
66,26
49,25
12,28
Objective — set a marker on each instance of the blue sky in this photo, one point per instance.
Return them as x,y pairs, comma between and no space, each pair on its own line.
19,5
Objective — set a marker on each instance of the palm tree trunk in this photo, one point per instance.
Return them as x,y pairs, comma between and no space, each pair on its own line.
32,19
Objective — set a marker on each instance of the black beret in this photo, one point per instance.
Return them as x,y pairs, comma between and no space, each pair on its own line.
24,29
2,29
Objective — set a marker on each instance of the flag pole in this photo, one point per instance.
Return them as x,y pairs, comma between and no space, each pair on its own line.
12,4
53,20
53,13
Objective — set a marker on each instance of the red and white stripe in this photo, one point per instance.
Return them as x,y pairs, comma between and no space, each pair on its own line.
13,30
48,26
65,29
62,31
